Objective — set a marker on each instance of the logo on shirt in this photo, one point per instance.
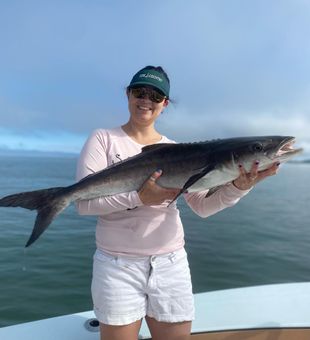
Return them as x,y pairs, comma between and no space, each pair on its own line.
118,157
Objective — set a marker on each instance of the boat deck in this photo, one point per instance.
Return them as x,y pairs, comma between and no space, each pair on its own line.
271,312
261,334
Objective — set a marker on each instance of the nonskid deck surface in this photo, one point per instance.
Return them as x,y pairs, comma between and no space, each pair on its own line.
262,334
271,312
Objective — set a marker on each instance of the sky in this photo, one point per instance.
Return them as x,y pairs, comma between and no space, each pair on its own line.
237,68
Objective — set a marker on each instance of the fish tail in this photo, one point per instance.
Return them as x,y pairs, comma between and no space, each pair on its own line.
48,203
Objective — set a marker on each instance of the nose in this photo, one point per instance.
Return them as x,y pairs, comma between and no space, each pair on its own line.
145,95
145,100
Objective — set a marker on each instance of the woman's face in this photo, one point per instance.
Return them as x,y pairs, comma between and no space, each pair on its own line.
144,111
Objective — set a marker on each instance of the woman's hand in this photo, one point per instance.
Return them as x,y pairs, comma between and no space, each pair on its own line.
247,180
153,194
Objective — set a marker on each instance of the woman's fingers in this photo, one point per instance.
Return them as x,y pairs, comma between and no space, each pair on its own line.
155,176
153,194
247,180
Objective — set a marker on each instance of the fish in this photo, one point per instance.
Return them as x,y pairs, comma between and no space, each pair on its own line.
191,167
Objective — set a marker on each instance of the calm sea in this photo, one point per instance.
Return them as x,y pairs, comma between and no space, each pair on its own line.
264,239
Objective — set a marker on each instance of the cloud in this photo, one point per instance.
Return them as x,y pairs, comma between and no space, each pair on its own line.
236,67
207,125
41,141
13,115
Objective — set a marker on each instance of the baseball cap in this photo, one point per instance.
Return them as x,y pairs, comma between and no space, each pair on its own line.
152,78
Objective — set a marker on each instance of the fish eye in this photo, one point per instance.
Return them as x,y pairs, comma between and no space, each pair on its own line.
257,147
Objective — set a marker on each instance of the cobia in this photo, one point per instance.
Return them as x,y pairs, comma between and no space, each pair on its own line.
188,166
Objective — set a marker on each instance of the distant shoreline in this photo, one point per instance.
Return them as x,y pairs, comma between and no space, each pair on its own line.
36,153
304,161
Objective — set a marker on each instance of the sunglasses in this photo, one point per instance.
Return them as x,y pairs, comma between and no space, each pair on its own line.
143,92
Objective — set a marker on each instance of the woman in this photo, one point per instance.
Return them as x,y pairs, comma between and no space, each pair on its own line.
140,265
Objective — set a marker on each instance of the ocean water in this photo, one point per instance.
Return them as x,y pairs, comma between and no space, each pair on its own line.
264,239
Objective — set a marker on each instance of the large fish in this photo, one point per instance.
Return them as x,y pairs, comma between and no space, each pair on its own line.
188,166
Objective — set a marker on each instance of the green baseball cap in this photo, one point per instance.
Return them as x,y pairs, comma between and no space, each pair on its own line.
151,78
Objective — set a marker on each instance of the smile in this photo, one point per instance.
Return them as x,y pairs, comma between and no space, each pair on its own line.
144,108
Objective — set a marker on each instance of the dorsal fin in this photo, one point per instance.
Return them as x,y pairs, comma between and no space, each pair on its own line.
155,146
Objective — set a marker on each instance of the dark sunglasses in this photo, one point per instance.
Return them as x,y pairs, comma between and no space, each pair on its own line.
143,92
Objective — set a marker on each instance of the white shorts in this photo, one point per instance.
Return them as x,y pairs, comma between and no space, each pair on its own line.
126,289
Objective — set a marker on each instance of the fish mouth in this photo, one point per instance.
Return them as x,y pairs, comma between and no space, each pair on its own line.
286,148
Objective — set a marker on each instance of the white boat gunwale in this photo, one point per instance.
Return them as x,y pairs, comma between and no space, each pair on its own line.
268,308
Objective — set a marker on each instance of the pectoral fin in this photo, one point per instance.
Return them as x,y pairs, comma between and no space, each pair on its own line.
213,190
193,179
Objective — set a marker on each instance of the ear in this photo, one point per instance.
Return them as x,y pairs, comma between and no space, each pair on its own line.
127,93
166,102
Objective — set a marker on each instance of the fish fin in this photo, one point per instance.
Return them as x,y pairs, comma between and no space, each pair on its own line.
193,179
44,218
29,200
48,202
213,190
152,147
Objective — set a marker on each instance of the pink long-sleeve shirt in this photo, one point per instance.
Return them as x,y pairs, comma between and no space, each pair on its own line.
124,224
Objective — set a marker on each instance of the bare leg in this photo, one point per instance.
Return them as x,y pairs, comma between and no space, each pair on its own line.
128,332
169,331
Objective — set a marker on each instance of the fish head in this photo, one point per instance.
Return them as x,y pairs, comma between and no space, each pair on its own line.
281,149
265,149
